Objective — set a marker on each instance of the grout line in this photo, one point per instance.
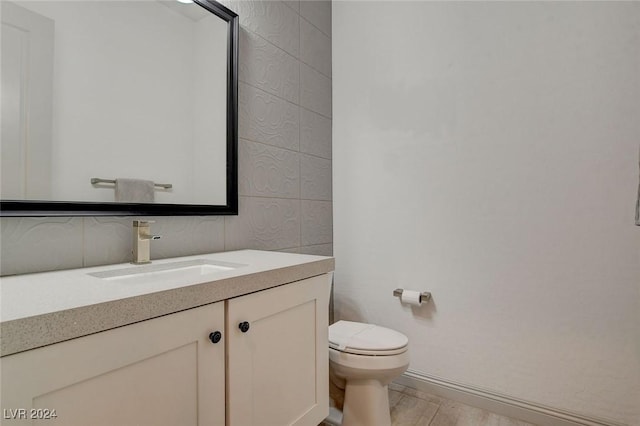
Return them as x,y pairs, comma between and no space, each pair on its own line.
301,220
300,47
287,4
285,149
325,34
299,34
283,198
316,112
224,227
246,83
434,415
83,243
316,70
303,246
284,99
249,30
330,243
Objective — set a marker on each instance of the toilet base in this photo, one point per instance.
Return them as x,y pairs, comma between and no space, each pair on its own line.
366,403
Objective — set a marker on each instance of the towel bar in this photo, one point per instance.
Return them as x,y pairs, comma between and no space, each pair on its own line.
159,185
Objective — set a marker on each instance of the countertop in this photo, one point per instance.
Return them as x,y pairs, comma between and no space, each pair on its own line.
50,307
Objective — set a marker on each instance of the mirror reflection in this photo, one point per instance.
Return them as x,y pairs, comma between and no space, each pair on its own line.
126,91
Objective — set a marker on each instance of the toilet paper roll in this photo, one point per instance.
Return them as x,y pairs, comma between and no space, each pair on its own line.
410,297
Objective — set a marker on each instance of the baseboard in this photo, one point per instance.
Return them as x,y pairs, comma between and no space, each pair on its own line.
500,404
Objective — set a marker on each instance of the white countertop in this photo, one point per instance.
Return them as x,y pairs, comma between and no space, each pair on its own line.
44,308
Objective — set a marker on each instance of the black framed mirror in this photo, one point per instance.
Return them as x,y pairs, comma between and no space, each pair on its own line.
128,96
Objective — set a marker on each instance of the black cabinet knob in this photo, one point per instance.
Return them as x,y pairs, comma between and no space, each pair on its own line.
244,326
215,337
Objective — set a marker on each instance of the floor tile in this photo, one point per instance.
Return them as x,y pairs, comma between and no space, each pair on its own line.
498,420
410,407
446,415
423,395
468,415
428,415
397,387
409,410
394,397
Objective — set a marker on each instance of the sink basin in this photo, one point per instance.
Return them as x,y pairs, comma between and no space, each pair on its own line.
184,271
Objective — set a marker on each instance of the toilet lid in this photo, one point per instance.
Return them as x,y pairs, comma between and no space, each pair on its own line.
366,339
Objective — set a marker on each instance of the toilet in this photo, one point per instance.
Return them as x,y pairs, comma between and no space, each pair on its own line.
363,360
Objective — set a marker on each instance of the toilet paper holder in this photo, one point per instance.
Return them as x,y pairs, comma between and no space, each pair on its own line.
425,296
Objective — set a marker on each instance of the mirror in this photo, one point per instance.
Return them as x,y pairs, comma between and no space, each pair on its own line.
118,108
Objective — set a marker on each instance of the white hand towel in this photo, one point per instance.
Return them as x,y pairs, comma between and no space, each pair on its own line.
134,191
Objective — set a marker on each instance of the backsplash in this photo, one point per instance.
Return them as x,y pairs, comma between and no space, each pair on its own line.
285,192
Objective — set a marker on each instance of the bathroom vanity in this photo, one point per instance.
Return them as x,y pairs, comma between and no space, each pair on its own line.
236,338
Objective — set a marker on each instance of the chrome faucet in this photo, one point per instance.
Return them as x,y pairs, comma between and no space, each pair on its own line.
142,242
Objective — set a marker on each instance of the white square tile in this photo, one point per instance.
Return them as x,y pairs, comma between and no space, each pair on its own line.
187,235
266,118
315,48
293,4
290,250
108,240
264,223
315,134
318,250
273,20
31,244
267,67
267,171
315,91
318,13
315,176
317,222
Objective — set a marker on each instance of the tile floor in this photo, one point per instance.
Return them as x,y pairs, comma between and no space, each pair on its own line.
410,407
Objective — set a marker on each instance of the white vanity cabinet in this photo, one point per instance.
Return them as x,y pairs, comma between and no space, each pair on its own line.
278,362
164,371
168,370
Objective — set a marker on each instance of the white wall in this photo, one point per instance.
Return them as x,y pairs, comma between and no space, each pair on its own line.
487,152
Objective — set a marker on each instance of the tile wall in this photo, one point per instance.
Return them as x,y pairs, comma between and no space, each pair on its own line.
284,160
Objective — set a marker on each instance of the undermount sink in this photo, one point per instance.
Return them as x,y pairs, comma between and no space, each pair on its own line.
183,270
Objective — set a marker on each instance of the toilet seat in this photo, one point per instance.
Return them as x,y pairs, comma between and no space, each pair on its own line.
366,339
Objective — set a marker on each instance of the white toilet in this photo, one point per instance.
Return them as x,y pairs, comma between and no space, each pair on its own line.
363,360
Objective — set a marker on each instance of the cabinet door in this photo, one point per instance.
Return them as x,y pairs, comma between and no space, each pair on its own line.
163,371
278,369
